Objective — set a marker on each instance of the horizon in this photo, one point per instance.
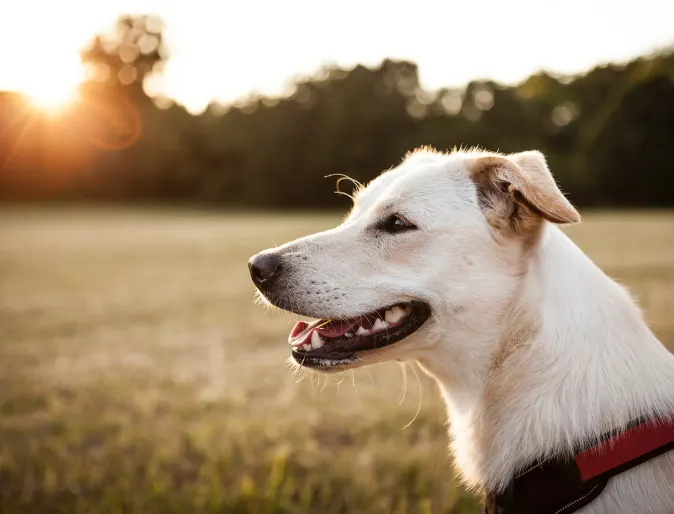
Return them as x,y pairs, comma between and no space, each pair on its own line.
298,40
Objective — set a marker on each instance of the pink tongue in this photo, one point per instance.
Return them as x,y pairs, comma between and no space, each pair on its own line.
334,328
301,332
299,327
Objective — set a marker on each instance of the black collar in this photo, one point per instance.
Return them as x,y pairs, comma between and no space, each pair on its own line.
564,485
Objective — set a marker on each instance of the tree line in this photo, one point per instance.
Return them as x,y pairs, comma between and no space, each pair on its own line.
607,133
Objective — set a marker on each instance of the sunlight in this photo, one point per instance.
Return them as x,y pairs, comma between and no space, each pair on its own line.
42,63
52,97
53,85
38,32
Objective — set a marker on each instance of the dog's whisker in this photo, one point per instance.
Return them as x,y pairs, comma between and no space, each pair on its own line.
344,194
315,383
358,185
371,379
353,380
421,398
342,377
325,383
403,391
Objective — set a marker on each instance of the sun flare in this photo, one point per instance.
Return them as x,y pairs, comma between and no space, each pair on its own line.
51,79
51,97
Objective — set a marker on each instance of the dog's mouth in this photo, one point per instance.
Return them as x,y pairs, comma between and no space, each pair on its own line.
331,342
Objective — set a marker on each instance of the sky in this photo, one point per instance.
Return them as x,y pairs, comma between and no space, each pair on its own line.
223,50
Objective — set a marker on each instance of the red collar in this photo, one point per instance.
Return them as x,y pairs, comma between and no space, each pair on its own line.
562,486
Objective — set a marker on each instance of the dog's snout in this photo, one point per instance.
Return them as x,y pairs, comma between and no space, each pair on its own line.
263,266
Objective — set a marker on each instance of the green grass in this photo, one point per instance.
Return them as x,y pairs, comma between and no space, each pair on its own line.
136,375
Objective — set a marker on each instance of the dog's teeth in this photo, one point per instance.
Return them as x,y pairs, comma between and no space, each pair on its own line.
306,347
349,335
379,325
394,314
362,331
316,341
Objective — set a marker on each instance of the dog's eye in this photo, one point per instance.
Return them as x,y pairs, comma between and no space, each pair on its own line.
396,223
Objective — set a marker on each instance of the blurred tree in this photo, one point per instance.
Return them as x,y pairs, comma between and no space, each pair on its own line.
631,156
274,152
117,114
129,55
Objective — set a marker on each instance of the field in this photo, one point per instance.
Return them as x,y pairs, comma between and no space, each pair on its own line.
137,375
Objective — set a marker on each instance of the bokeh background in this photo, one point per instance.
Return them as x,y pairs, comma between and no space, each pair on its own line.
147,149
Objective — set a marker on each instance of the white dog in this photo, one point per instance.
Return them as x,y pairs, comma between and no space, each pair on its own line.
453,260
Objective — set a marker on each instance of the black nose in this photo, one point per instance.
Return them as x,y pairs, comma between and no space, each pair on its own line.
263,266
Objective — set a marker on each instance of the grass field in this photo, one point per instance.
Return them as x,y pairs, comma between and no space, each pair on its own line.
136,375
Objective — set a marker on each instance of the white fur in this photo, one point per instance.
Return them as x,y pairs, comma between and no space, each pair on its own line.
587,363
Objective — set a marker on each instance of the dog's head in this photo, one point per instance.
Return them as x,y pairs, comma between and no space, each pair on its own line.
430,247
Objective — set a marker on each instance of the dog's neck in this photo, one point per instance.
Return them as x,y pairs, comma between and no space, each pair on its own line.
570,360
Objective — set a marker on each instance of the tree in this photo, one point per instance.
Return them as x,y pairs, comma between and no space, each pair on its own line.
631,156
605,133
128,56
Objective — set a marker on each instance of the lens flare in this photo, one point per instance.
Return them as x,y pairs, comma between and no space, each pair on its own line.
52,88
51,98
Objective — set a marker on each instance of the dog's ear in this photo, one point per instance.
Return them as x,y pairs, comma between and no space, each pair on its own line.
520,190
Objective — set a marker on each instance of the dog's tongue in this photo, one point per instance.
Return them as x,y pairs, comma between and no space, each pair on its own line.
301,332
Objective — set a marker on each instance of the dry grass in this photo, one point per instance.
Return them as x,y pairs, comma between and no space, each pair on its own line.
136,375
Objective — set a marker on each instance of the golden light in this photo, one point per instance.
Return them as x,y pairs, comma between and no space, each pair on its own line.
46,69
52,86
51,97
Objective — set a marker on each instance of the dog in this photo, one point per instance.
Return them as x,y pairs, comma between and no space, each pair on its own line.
456,261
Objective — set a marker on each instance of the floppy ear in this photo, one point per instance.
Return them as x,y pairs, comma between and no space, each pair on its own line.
519,188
